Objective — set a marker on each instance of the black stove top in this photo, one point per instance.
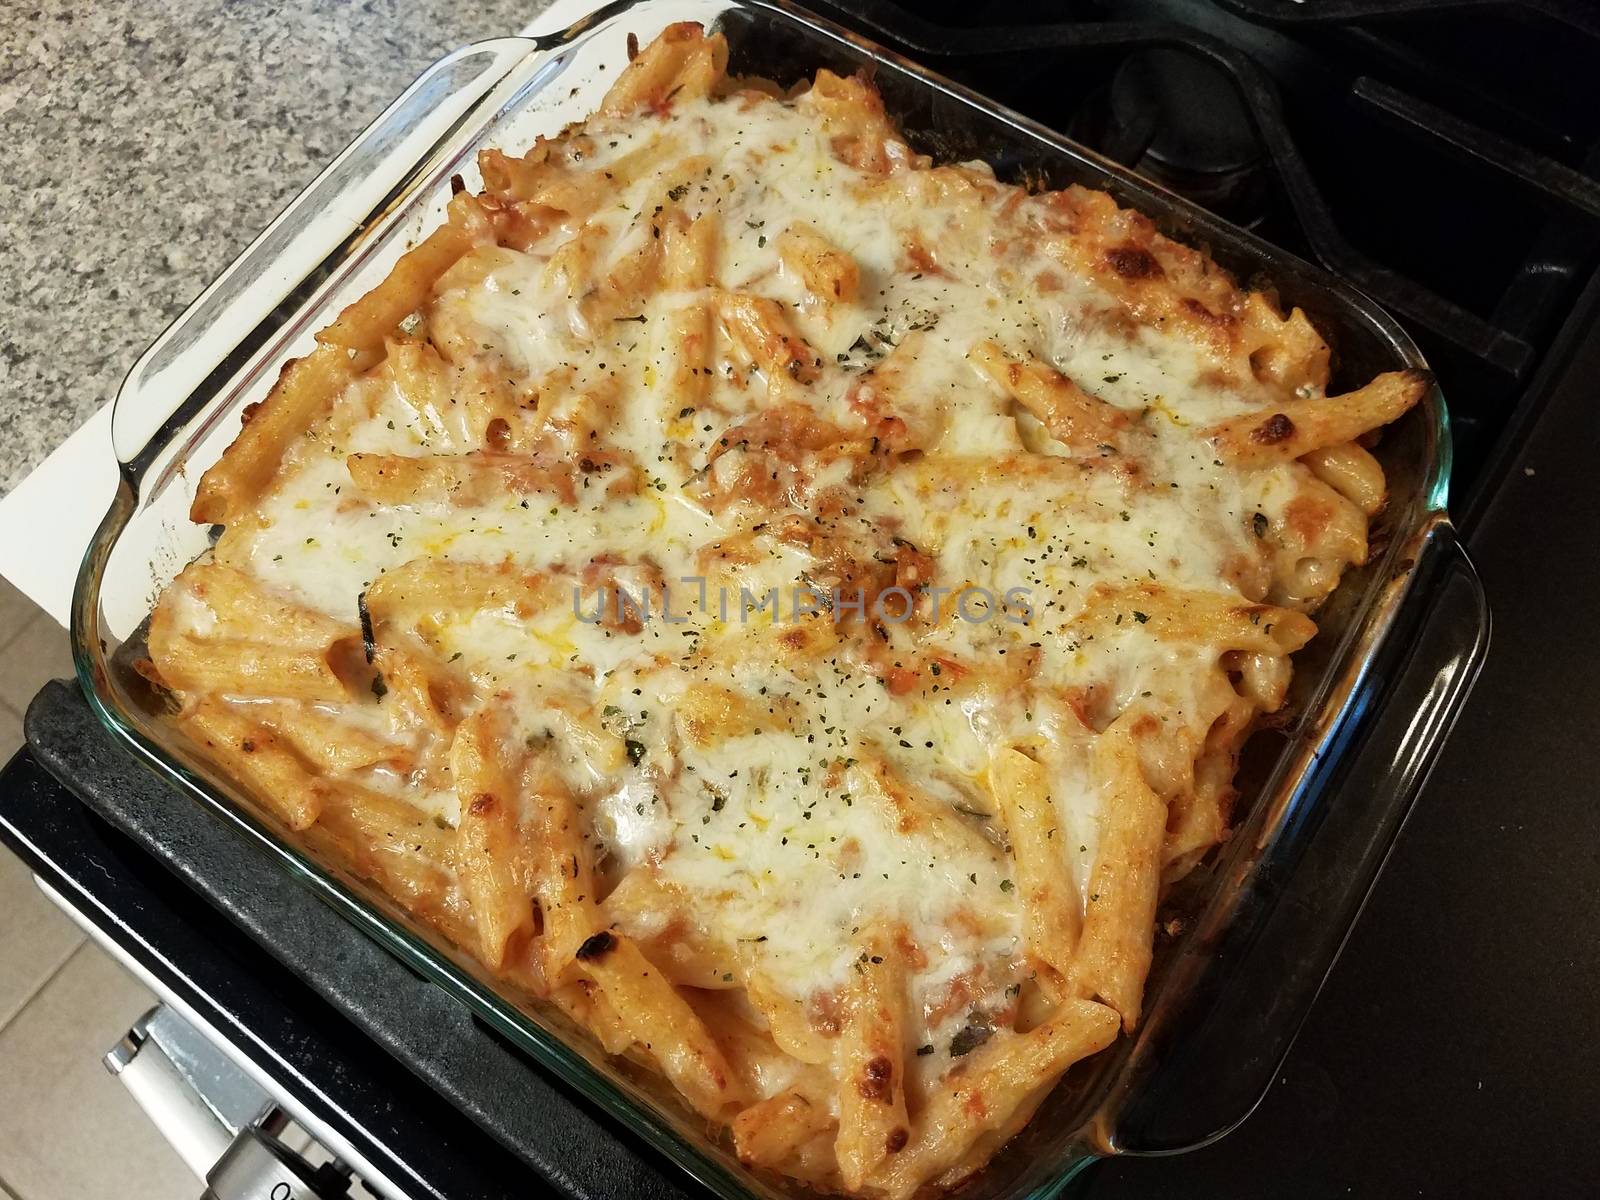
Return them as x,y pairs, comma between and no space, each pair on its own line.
1441,154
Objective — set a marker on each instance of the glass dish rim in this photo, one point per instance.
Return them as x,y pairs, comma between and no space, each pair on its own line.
635,1110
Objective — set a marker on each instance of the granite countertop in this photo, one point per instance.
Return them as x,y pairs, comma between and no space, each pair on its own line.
145,145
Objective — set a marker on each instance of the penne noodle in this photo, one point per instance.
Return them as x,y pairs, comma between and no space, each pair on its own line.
708,714
1072,416
398,847
240,668
1285,351
632,276
1114,950
650,911
787,1022
907,810
1263,680
419,688
467,480
304,391
1310,542
1352,472
562,870
362,327
688,264
660,1021
428,386
490,850
587,1005
1296,428
473,269
515,177
278,780
572,192
438,589
826,271
572,269
1197,820
243,608
681,64
870,1052
761,329
1049,896
323,739
852,112
689,332
497,419
759,1066
688,251
983,1093
1204,618
769,1132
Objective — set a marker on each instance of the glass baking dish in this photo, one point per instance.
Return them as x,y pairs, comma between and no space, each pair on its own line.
1245,941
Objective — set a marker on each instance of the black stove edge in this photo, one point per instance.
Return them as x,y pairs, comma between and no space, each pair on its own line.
584,1154
1562,369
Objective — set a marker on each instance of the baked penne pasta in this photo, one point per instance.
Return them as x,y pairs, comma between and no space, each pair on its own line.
784,608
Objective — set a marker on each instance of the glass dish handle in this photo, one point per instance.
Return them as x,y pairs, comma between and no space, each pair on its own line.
1261,977
241,311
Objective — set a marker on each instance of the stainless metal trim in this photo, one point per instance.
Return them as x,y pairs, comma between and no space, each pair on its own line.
171,1097
337,1145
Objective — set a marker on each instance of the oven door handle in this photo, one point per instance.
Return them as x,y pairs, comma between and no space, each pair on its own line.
1208,1068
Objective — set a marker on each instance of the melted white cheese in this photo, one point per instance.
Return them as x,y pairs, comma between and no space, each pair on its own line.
774,835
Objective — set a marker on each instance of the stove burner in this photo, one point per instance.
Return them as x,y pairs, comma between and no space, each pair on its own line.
1178,120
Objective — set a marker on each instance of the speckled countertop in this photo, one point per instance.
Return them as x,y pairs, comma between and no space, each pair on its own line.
144,145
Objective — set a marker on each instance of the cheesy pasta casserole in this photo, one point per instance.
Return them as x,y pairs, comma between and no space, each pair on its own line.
788,604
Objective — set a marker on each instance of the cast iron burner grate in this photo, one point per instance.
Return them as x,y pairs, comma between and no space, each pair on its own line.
1441,155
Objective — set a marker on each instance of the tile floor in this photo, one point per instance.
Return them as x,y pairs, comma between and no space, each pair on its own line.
68,1130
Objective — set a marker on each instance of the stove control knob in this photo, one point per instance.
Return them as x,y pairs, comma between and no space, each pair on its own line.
259,1167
